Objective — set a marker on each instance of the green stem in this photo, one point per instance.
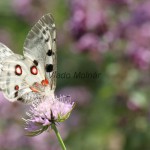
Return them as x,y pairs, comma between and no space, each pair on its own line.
58,137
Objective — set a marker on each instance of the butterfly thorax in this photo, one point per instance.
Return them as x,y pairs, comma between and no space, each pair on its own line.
42,88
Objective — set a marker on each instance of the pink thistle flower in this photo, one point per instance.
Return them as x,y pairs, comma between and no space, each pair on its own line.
43,114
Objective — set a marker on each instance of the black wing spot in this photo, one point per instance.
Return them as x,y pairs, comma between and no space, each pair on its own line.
16,94
49,68
54,39
35,62
44,32
46,40
49,52
20,99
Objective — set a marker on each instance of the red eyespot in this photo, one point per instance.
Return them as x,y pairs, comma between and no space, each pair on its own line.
18,70
34,70
16,87
45,82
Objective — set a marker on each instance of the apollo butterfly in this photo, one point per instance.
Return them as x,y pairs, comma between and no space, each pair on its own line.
33,75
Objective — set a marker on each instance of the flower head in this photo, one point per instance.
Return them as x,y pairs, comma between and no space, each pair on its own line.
45,113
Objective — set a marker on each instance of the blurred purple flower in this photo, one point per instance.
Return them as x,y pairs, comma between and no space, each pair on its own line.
75,121
120,2
80,94
43,142
141,13
96,17
22,7
140,36
140,56
43,114
29,10
87,16
77,23
13,137
6,107
136,27
88,42
92,42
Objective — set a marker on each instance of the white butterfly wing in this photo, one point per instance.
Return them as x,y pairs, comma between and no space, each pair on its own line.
4,53
9,81
16,79
21,77
40,47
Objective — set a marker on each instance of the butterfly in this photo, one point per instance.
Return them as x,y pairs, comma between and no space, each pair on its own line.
31,75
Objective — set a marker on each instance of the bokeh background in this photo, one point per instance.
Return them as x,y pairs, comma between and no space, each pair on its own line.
110,37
